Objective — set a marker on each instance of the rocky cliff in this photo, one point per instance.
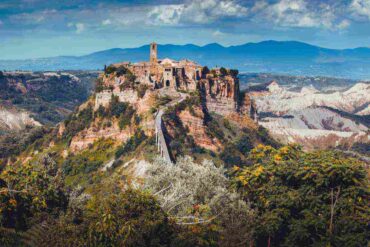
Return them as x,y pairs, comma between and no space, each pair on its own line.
313,118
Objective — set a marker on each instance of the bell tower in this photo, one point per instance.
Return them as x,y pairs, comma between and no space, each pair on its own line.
153,53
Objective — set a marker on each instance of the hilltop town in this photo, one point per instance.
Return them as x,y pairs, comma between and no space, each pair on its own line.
143,84
183,140
220,86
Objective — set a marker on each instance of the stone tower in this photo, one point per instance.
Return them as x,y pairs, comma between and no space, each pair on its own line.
153,53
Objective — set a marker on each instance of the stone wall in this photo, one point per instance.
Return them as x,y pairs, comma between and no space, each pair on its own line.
103,98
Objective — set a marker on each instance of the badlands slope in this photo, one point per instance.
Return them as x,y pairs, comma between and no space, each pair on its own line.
303,117
14,119
279,100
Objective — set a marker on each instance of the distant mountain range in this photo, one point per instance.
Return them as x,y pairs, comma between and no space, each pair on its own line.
285,57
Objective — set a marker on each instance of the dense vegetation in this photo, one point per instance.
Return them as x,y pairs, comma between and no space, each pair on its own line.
183,143
283,197
253,192
48,98
306,199
14,143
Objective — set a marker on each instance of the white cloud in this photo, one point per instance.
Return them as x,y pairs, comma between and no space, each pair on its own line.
79,27
167,14
218,33
299,13
344,24
35,17
196,12
106,22
361,8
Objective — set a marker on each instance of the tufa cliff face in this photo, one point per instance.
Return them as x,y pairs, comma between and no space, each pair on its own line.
186,95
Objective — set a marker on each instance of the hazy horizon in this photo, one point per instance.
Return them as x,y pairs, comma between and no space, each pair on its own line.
37,29
179,44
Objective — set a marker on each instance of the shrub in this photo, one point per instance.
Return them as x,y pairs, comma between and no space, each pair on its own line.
306,199
234,72
78,121
199,195
27,190
121,70
205,70
129,218
130,77
245,144
264,136
99,85
141,90
111,218
110,69
214,130
223,71
101,112
230,156
131,144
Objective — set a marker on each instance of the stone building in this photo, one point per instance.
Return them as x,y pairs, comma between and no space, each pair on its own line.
166,72
220,90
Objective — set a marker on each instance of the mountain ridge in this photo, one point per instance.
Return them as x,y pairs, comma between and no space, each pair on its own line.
288,57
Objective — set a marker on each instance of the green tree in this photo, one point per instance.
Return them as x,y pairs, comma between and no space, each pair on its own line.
306,199
121,70
128,218
205,70
223,71
110,69
26,190
234,72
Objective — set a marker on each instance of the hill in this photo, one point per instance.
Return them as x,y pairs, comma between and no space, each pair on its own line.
31,100
176,159
295,58
315,119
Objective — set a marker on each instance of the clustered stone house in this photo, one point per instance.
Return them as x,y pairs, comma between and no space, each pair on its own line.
221,92
182,74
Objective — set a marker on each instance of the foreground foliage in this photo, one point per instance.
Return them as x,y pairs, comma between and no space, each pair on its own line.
199,198
306,199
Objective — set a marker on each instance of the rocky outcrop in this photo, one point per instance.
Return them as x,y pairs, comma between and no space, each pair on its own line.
279,100
14,120
194,123
95,132
312,118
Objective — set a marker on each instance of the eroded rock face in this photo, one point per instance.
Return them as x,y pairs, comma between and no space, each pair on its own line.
109,128
313,118
12,119
95,132
222,96
141,84
197,129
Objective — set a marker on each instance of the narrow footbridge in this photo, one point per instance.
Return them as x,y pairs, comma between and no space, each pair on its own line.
159,127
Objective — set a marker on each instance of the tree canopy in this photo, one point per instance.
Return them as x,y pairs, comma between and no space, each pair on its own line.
306,199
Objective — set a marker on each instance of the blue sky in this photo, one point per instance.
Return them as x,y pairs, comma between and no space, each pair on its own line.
40,28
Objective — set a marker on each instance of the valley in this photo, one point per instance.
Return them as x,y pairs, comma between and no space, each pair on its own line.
185,123
178,150
184,138
46,97
315,119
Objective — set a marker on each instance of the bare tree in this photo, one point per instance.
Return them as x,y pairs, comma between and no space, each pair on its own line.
186,185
